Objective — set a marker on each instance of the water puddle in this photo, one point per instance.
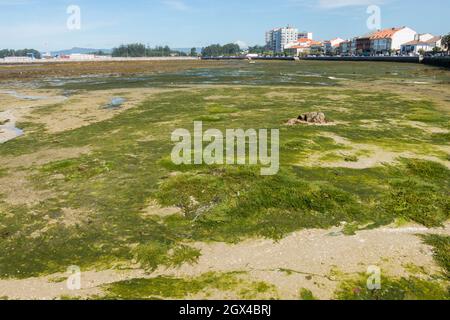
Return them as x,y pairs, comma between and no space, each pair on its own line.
17,95
8,129
115,103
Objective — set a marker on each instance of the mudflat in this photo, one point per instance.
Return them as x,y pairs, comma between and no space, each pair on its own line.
90,185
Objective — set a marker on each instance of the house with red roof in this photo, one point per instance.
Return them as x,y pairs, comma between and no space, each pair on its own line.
301,46
422,43
390,40
332,46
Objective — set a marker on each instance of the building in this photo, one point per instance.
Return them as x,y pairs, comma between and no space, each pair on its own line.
363,45
305,35
277,39
301,47
353,47
388,41
345,48
82,57
421,43
17,59
47,56
332,46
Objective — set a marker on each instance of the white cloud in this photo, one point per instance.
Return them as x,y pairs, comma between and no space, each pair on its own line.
334,4
178,5
15,2
241,44
330,4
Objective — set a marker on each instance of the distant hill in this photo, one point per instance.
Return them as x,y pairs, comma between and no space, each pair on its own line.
79,50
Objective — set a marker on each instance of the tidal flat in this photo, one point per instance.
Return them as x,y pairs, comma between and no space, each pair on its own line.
94,186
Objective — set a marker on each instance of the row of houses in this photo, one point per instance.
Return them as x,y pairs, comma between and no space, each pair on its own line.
397,41
392,41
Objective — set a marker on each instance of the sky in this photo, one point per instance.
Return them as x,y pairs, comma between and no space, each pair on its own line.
42,24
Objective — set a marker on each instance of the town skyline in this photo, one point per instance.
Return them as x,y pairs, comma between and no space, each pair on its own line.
42,24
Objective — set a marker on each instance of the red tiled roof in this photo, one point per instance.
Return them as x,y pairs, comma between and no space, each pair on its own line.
305,42
430,41
384,34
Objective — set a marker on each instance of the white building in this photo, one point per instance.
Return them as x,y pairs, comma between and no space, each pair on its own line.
17,59
301,46
81,57
332,46
390,40
422,42
277,39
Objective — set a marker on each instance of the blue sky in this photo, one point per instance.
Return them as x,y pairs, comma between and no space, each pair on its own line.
41,24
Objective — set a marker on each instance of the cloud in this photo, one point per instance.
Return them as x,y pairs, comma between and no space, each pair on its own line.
178,5
331,4
335,4
15,2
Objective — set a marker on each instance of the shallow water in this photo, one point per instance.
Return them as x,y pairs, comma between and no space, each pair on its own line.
286,73
8,129
9,133
17,95
116,103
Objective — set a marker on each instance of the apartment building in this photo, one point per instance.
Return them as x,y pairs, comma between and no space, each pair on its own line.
305,35
278,39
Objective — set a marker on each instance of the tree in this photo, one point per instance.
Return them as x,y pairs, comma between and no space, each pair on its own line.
193,52
99,53
436,50
446,42
140,50
130,50
20,53
257,49
215,50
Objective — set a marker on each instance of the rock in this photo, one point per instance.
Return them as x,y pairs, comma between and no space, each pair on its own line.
293,122
308,118
313,117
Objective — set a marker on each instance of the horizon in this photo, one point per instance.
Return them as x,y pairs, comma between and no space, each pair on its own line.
42,24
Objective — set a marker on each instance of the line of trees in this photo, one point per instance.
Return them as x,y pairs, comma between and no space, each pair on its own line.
135,50
20,53
99,53
216,50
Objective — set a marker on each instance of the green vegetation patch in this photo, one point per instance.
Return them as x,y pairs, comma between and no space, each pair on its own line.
441,247
393,289
154,254
115,182
306,294
179,288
